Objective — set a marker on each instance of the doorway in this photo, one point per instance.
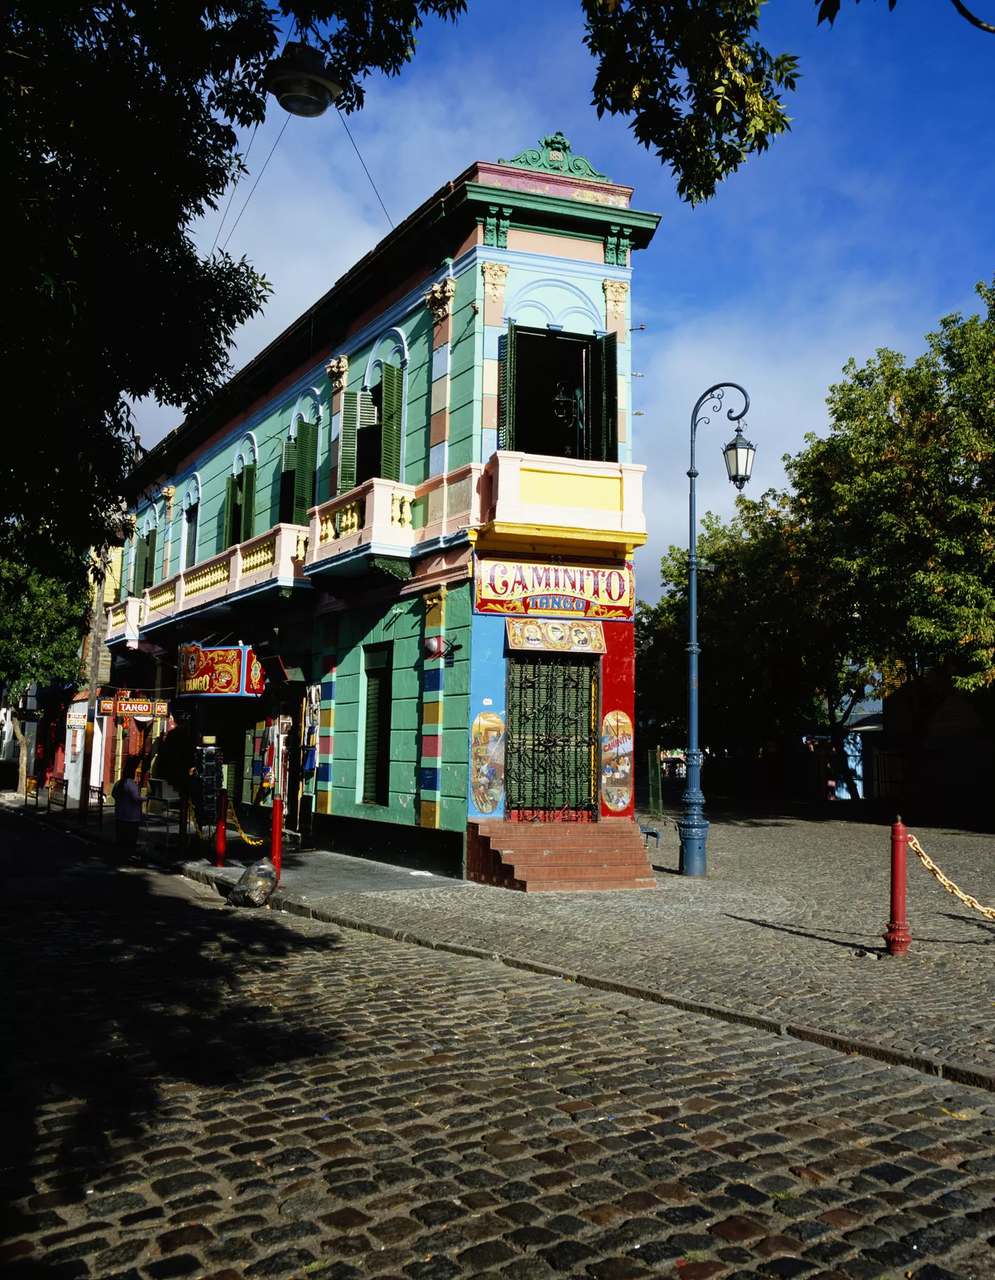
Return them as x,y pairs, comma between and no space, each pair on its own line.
551,760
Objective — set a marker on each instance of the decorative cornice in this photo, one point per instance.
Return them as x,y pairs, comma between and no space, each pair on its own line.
439,298
338,372
616,293
553,155
495,278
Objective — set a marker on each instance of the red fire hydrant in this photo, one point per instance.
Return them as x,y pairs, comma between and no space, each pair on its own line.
897,936
276,840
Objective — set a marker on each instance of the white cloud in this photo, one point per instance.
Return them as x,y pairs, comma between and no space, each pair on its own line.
786,358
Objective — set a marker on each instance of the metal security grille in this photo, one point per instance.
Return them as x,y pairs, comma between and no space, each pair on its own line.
551,758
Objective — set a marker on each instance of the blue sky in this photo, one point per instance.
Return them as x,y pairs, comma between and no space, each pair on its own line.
859,229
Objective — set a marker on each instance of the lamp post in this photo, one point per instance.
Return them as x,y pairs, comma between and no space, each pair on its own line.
738,454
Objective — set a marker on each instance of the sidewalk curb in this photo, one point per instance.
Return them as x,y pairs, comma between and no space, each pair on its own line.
955,1072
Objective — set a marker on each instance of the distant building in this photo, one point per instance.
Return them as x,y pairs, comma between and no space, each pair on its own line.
389,566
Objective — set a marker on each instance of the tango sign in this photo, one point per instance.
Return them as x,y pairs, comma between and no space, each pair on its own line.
231,672
558,590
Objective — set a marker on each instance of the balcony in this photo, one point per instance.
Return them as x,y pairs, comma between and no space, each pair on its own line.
273,558
530,498
390,519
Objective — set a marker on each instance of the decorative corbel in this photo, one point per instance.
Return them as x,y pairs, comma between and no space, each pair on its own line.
439,299
616,293
338,372
495,278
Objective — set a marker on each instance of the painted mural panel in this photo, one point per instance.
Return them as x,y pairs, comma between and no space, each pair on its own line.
616,762
487,761
558,590
556,637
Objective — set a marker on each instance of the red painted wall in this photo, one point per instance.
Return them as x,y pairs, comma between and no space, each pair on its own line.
618,675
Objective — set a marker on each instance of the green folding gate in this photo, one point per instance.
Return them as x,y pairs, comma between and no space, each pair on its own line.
552,749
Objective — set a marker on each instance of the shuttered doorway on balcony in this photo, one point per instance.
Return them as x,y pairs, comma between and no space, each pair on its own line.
552,748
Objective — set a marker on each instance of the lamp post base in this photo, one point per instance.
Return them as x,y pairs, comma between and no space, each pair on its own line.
694,839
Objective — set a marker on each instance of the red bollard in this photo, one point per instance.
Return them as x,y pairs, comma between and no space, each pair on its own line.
221,830
276,840
897,936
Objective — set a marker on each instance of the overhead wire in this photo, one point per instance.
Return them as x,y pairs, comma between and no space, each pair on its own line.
234,188
365,170
256,183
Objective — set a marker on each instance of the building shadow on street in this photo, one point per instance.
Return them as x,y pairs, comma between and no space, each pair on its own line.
121,1001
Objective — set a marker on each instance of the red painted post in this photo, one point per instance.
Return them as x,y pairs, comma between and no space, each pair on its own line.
897,936
276,841
221,830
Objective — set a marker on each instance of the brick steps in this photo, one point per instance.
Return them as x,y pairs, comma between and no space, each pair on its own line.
558,857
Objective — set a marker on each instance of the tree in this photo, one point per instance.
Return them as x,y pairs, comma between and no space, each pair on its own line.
44,618
120,132
903,490
876,567
828,9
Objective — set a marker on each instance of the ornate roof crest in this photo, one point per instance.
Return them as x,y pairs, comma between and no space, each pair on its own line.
553,155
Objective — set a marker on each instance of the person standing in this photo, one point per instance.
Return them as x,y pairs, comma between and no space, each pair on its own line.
127,805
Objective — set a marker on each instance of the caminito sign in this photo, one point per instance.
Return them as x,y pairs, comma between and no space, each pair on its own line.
572,590
231,672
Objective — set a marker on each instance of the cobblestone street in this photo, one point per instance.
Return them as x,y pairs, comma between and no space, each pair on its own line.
196,1091
787,927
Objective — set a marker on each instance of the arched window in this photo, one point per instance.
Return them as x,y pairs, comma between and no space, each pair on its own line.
144,561
372,437
190,526
240,493
300,457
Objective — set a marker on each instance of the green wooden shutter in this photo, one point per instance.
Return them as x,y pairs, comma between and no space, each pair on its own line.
376,742
138,577
231,507
191,516
390,439
507,344
288,481
122,590
307,448
347,441
248,502
607,411
150,559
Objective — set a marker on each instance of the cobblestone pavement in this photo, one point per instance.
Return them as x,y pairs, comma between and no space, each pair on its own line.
197,1092
787,927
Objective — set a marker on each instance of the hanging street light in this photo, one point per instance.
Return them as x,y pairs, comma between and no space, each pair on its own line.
738,455
300,79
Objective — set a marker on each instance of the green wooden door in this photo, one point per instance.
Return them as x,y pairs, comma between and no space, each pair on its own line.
552,751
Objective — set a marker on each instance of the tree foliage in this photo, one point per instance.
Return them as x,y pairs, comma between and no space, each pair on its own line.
875,567
43,619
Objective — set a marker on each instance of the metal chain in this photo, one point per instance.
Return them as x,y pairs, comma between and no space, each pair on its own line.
948,884
252,841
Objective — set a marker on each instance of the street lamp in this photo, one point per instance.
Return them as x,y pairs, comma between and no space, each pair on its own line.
301,81
738,455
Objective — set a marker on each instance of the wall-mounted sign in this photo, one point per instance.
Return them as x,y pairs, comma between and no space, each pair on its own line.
551,634
232,672
557,590
142,708
76,716
616,761
105,707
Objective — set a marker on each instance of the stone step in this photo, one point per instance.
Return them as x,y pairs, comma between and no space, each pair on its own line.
574,857
574,870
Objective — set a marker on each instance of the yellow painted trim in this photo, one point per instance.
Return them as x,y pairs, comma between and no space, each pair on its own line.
552,487
431,713
502,535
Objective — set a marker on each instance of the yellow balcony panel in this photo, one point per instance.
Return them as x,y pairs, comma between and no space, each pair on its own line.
557,487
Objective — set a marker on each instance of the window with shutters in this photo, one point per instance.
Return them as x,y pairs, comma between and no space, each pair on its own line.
144,563
376,725
557,394
370,435
191,520
240,506
297,477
